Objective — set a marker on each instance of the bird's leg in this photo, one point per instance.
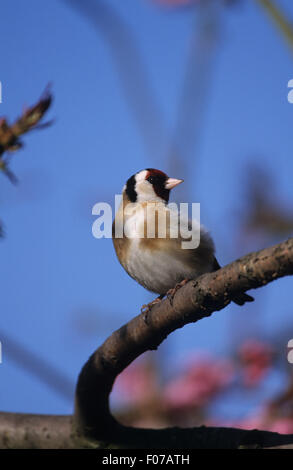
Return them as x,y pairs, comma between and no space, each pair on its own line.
147,307
171,292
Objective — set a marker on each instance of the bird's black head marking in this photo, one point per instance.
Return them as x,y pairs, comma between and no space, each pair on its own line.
130,189
158,179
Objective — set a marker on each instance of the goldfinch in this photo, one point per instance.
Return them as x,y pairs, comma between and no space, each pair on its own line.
160,264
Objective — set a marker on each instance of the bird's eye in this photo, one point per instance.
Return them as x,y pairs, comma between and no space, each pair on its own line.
150,179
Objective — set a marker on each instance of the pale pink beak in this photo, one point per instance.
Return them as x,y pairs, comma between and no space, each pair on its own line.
172,182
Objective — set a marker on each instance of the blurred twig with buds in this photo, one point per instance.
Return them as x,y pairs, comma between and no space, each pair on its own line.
279,18
10,134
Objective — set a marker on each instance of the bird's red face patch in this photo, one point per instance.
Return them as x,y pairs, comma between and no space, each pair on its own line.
154,173
158,179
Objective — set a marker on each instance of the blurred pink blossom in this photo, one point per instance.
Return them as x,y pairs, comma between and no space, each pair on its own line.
263,421
256,359
282,425
201,381
137,384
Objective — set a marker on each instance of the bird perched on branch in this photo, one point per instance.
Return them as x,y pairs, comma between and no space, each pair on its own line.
148,243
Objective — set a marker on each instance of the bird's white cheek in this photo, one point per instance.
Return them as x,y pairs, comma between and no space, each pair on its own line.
145,191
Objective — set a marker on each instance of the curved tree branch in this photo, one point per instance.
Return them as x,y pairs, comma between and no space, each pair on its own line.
197,299
93,424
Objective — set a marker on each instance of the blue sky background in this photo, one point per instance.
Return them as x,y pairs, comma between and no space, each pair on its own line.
62,291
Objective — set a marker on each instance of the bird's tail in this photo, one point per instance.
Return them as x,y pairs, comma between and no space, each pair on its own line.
241,299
